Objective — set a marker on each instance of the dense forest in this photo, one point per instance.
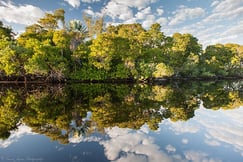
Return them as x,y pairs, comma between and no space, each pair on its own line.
53,50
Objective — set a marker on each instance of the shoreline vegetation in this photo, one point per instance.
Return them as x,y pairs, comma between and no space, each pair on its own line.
90,51
24,80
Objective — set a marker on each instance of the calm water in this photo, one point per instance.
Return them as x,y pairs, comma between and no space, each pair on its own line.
137,123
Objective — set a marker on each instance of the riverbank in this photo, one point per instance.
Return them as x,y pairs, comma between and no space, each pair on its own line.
42,80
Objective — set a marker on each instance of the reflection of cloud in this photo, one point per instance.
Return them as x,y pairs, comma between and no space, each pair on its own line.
15,136
182,127
219,127
208,140
134,158
128,145
225,126
184,141
199,157
170,148
79,138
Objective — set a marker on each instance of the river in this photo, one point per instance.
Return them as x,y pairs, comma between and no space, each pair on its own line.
173,122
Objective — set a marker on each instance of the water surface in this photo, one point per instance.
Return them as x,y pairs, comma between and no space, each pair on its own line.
102,122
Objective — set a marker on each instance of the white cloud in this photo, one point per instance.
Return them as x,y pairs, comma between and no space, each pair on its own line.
139,4
73,3
128,145
20,14
227,5
225,10
77,138
221,33
184,13
160,11
146,11
123,11
118,10
198,156
170,148
212,142
76,3
146,17
91,12
90,1
214,3
185,141
216,131
16,135
236,29
140,15
182,127
228,131
149,20
162,21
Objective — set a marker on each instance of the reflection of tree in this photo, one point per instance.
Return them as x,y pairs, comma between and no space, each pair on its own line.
60,112
129,113
180,103
221,95
10,103
45,113
55,113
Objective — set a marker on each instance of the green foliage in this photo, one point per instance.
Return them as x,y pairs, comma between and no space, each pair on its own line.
161,70
52,110
8,61
183,50
5,32
127,51
10,103
102,51
218,60
12,58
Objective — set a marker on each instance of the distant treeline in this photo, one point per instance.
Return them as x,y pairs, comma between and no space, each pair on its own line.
53,50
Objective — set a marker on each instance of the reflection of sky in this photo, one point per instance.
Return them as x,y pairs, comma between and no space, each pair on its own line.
15,136
210,136
128,145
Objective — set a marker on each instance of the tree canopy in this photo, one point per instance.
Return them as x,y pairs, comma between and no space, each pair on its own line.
56,50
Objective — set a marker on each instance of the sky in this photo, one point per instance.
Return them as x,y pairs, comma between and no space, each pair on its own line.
211,21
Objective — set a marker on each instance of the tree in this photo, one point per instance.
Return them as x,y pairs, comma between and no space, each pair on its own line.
161,70
78,33
94,26
47,61
49,22
155,38
102,51
61,39
183,50
216,60
9,59
236,63
59,15
6,32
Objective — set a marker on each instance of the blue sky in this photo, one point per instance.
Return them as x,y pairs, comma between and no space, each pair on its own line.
211,21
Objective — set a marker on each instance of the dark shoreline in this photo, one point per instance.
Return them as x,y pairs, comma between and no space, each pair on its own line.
22,80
